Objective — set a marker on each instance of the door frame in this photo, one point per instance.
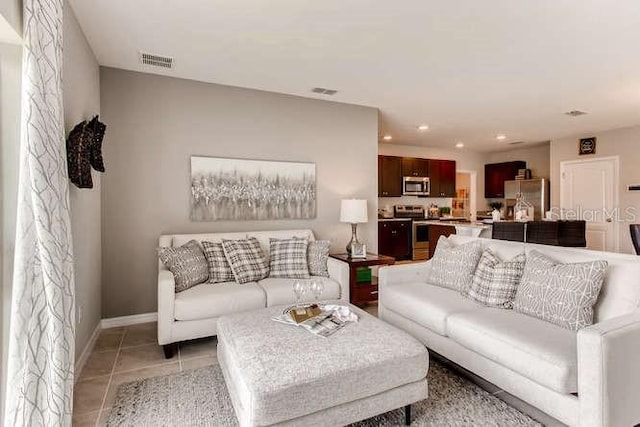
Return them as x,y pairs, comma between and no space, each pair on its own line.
616,186
473,184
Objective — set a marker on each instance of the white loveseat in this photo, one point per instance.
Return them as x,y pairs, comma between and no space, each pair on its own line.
194,313
585,378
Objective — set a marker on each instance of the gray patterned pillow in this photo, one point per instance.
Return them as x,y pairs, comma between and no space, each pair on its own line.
495,281
563,294
187,263
219,268
288,258
453,266
317,257
246,259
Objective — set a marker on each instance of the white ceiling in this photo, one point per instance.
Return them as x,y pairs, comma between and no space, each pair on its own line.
470,69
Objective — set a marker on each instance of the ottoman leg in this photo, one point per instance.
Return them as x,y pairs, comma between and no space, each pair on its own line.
169,350
407,415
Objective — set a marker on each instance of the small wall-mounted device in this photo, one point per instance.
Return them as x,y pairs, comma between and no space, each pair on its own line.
633,187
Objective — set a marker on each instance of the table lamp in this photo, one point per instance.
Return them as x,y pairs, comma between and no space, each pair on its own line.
354,212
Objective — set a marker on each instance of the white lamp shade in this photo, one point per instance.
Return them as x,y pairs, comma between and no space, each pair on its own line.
353,211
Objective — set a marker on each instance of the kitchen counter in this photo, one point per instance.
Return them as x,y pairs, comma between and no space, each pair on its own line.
394,219
454,223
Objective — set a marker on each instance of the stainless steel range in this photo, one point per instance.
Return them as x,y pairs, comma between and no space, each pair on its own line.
420,229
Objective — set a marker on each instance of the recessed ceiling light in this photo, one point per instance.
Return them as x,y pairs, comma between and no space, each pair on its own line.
387,137
423,127
501,137
460,145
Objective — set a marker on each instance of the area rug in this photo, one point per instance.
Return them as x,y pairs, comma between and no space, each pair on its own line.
199,397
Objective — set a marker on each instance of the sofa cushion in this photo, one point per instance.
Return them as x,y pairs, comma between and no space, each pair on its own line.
280,291
427,305
619,294
187,263
181,239
246,259
288,258
219,268
495,281
453,266
317,257
538,350
264,237
208,300
563,294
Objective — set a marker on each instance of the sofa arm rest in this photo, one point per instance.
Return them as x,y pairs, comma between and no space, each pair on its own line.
339,271
609,372
166,300
403,273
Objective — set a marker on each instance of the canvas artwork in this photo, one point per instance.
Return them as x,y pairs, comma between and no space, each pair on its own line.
237,189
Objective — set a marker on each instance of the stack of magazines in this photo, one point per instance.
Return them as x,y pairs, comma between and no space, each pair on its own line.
320,319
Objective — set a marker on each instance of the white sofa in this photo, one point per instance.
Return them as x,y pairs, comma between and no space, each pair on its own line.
194,313
585,378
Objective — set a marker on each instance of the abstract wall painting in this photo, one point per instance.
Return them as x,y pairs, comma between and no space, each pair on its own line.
238,189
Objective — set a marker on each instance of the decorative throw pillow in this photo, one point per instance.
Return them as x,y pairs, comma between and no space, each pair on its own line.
187,263
495,281
288,258
453,266
317,257
246,259
219,268
563,294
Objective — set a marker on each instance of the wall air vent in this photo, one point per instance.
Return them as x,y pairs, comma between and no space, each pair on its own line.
324,91
156,60
575,113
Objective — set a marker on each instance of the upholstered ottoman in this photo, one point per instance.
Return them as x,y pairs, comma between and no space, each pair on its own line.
282,374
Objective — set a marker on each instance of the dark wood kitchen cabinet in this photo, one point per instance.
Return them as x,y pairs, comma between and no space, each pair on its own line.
415,167
435,231
394,239
442,177
389,176
495,174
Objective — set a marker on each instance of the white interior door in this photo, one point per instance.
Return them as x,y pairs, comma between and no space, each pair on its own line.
588,191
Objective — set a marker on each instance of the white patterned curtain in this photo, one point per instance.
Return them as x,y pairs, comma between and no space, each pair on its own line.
41,349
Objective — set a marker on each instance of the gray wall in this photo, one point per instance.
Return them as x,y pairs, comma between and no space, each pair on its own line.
81,88
156,123
10,77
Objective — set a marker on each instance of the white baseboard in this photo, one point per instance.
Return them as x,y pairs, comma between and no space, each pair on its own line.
88,348
114,322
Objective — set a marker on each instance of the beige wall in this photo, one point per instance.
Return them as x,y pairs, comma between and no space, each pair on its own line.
466,160
537,158
82,101
11,11
10,77
623,143
156,123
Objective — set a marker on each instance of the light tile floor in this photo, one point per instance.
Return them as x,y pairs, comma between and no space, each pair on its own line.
132,353
128,354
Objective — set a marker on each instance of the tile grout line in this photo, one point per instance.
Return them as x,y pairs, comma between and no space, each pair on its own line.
113,368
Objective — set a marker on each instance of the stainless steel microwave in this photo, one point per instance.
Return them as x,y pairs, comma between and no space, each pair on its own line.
415,186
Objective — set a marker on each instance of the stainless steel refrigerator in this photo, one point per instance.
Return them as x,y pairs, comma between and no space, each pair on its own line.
534,191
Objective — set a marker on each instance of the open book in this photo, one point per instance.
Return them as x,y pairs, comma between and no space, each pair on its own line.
320,319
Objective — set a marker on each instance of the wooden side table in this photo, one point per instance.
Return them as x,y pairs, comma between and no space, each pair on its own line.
361,293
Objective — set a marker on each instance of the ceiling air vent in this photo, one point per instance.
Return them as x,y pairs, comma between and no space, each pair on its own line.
156,60
516,142
324,91
575,113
